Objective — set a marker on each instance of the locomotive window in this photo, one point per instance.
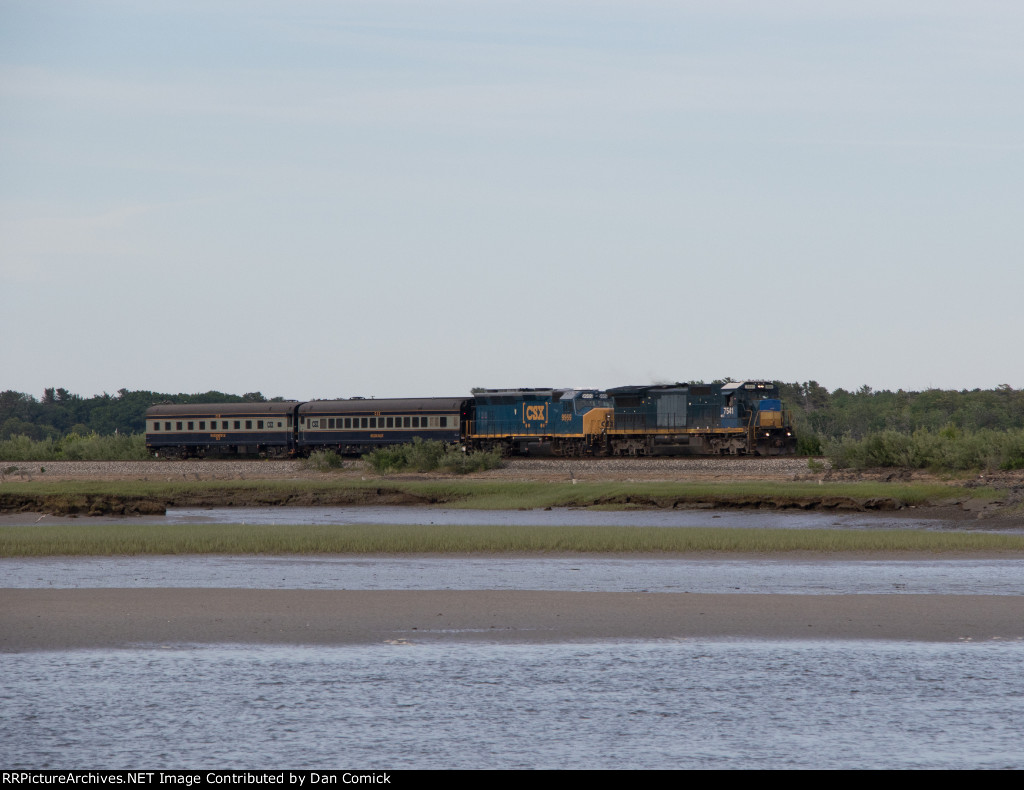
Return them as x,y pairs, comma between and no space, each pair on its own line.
348,422
405,420
373,422
190,424
238,425
156,426
248,425
178,426
330,422
391,422
444,422
202,425
364,422
259,424
167,426
415,422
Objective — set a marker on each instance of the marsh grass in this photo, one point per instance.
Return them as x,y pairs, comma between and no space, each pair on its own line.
487,495
134,539
495,495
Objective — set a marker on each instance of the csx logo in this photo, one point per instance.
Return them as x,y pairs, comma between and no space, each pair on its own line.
537,412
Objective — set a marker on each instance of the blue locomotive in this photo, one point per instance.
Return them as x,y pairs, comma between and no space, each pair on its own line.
736,418
568,422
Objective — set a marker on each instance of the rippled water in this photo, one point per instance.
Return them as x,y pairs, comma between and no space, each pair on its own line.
683,704
751,519
653,704
584,573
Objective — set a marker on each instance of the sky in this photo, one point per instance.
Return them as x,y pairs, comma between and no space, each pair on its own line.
390,198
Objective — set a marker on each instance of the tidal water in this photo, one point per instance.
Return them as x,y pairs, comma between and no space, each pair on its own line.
662,704
611,704
581,573
751,519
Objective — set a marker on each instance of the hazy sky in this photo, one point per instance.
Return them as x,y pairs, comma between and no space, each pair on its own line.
326,199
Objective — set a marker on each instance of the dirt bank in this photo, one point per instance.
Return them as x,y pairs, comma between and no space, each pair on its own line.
45,619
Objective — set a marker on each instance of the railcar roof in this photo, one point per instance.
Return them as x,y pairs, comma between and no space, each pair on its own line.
640,388
370,405
521,393
204,409
752,383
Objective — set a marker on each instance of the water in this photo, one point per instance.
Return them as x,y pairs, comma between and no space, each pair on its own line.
581,573
449,704
751,519
686,704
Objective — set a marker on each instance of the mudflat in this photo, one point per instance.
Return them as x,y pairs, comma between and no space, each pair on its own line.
59,619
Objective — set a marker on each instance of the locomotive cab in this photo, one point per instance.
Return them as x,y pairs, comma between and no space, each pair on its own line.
755,407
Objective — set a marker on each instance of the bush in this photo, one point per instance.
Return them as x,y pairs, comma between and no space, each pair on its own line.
808,444
950,448
428,456
118,447
462,463
323,461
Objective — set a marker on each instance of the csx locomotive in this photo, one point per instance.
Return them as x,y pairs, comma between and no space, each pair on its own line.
737,418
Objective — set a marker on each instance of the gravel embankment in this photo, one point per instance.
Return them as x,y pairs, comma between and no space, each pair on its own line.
150,470
514,468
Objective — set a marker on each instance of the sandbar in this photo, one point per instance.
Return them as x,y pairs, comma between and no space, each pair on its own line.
62,619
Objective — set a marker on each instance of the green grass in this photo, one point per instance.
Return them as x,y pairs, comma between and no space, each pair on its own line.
134,539
483,494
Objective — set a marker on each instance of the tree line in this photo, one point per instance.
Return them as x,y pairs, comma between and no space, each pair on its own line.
958,429
60,413
821,416
939,429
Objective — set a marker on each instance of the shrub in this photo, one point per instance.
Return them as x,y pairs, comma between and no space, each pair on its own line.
93,447
949,448
428,456
323,461
808,444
